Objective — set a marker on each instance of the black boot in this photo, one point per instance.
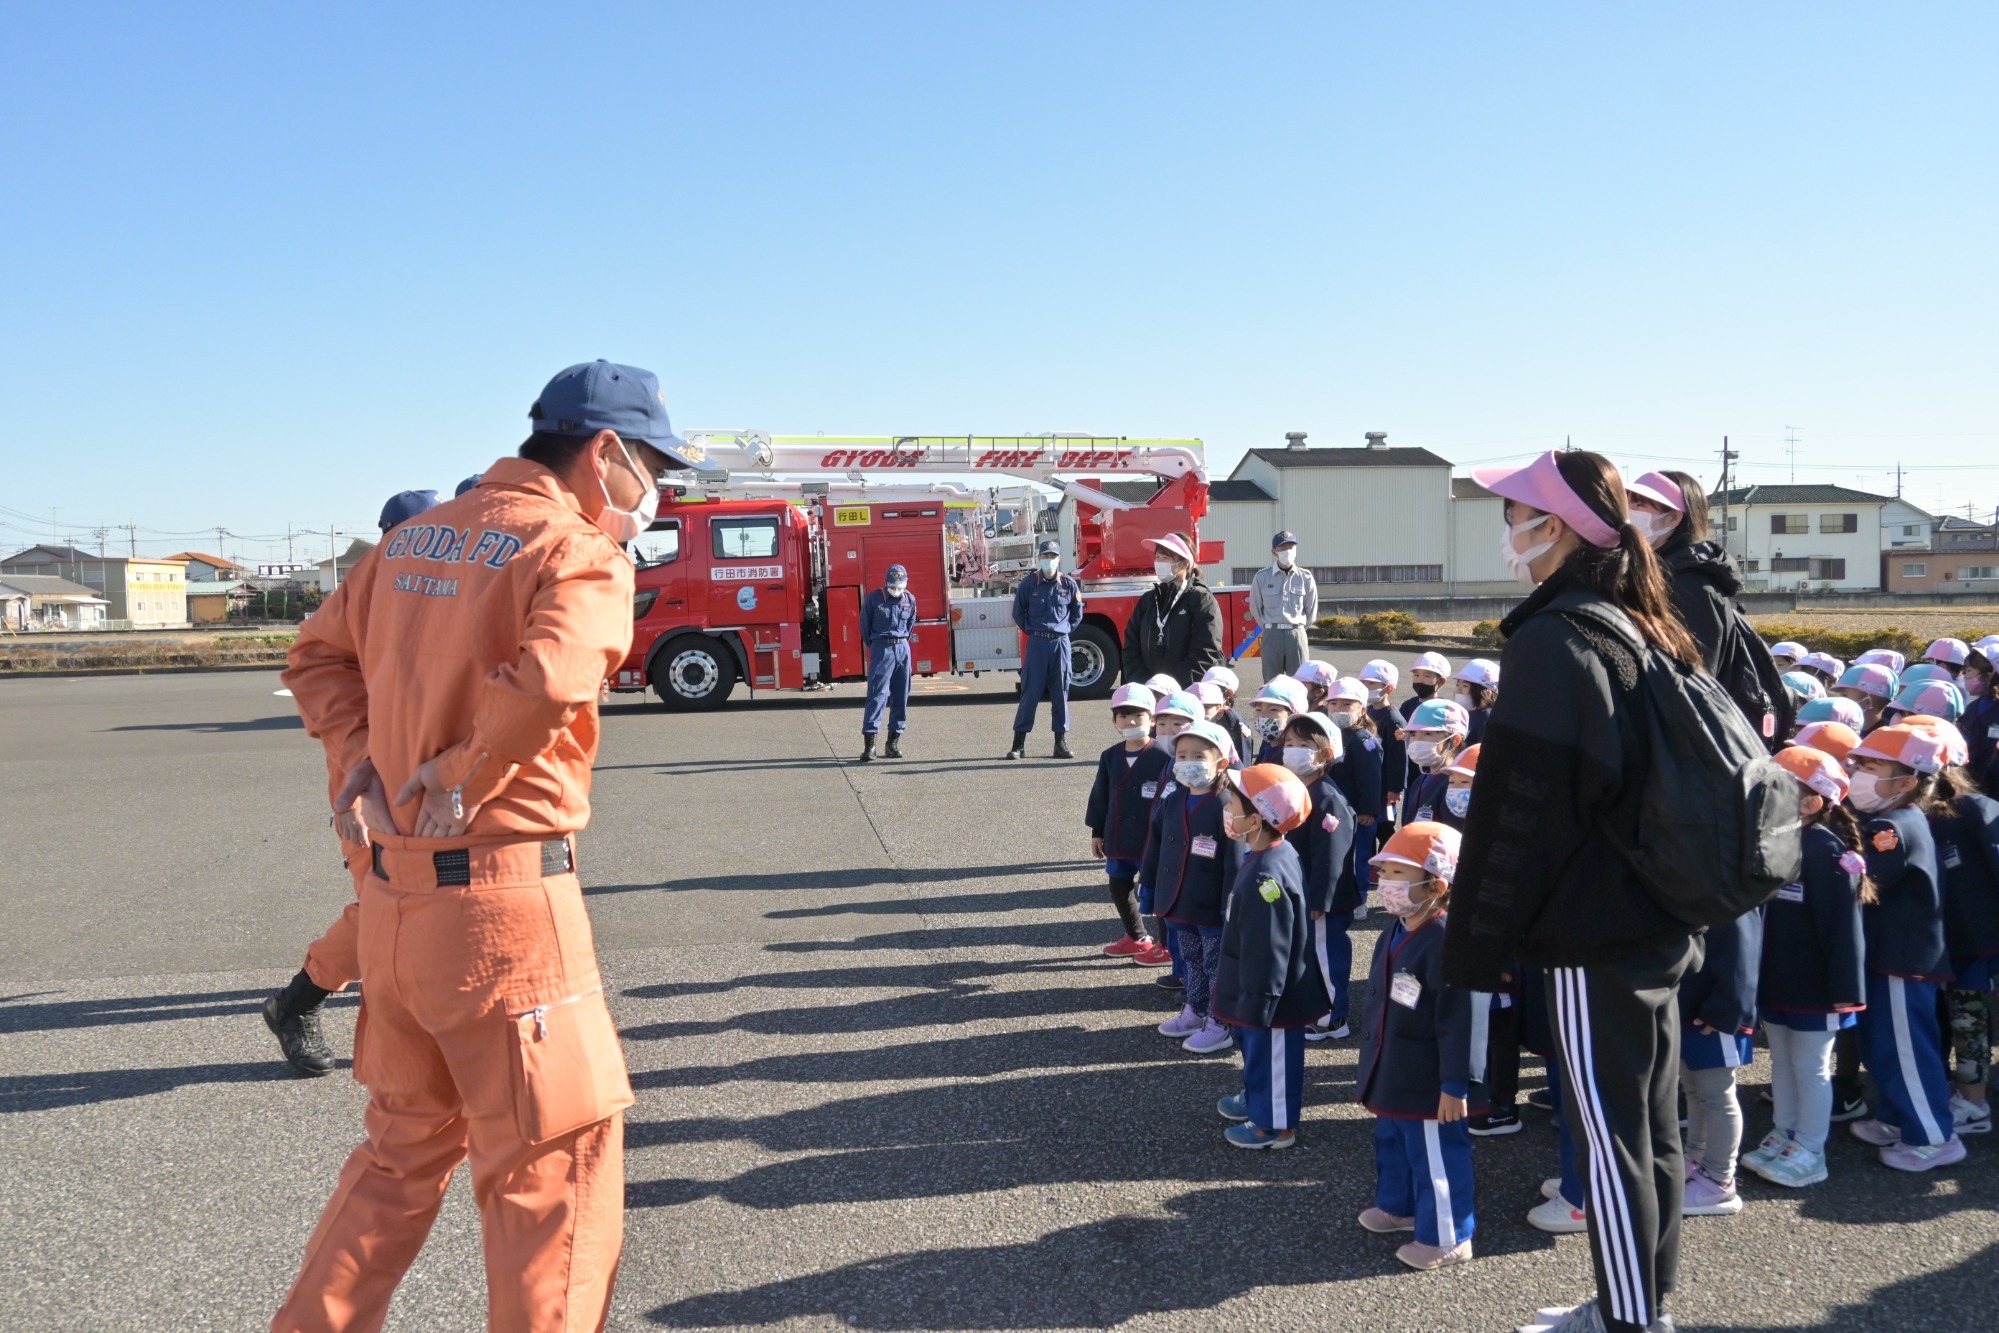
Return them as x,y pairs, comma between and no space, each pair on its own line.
867,747
1062,750
894,750
1019,750
293,1016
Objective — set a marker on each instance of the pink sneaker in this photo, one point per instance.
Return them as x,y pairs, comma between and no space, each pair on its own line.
1209,1039
1907,1157
1705,1198
1156,955
1182,1025
1125,946
1875,1132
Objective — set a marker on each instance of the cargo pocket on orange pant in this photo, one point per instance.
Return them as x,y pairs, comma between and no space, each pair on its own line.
568,1069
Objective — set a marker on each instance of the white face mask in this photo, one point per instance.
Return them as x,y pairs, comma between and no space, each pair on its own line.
1301,759
1464,700
1520,563
1050,563
1396,896
894,589
1424,753
1864,793
1655,527
1192,774
1167,570
623,526
1344,719
1376,694
1286,558
1138,733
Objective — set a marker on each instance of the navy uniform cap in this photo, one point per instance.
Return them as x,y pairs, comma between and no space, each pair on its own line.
1284,539
602,395
406,505
895,573
466,485
1051,548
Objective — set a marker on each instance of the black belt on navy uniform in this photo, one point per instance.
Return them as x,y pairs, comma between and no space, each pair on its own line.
454,867
1049,633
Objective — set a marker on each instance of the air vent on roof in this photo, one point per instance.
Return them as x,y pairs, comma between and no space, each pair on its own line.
1377,439
1294,439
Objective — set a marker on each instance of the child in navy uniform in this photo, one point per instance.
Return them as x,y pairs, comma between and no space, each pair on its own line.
1229,720
1478,688
1129,775
1416,1072
1280,700
1190,862
1381,678
1901,1039
1361,773
1965,825
1325,843
1717,1037
1268,986
1435,734
1812,984
1426,676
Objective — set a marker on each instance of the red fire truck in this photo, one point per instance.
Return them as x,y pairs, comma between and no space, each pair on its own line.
755,569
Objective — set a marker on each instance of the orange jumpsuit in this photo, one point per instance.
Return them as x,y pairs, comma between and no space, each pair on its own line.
478,636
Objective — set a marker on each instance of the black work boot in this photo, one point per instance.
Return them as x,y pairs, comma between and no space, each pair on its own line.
1019,750
867,747
292,1015
894,750
1062,750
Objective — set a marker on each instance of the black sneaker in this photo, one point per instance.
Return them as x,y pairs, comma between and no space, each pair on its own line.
299,1038
1541,1100
1167,981
1499,1120
1853,1110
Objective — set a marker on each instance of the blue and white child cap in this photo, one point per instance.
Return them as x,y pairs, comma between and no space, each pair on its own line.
1870,679
1347,689
1378,672
1213,735
1825,662
1932,698
1480,671
1326,727
1825,709
1440,715
1923,671
1794,651
1951,652
1316,673
1133,696
1804,686
1886,657
1436,662
1222,676
1181,704
1163,684
1286,691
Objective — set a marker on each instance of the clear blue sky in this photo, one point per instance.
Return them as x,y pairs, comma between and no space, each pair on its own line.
268,263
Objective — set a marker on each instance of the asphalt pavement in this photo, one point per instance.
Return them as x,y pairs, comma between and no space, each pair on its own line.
885,1079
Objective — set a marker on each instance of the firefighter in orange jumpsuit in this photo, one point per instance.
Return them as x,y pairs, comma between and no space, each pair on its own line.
459,668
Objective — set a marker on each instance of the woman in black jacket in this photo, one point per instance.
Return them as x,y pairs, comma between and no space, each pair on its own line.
1177,626
1560,774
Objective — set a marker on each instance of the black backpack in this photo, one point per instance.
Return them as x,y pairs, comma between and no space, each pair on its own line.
1749,676
1718,825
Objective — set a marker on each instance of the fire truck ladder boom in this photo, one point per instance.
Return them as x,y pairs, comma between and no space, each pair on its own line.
1043,458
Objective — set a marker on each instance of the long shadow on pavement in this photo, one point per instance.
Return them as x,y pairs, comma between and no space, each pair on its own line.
284,722
858,877
44,1092
117,1010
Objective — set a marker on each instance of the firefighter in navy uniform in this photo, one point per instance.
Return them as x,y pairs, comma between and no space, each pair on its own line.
1047,608
888,618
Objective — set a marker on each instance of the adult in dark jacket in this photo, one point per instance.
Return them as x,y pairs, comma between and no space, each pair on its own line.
1703,581
1541,883
1177,625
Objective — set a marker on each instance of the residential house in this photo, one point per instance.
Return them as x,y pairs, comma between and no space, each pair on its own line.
211,568
139,592
1802,537
209,601
14,609
334,569
1962,556
1903,526
43,601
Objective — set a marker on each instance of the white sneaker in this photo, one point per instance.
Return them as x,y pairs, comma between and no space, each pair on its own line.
1551,1188
1970,1117
1556,1217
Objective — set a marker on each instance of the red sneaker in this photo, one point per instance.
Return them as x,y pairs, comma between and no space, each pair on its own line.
1156,956
1126,946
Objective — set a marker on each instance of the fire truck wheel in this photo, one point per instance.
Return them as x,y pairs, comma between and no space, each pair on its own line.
694,672
1093,663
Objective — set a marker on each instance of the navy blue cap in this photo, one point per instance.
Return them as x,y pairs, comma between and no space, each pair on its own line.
1051,548
895,572
600,395
406,505
466,485
1284,539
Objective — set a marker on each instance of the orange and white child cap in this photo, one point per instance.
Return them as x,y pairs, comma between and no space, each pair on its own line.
1466,762
1819,771
1275,792
1429,846
1912,745
1835,738
1955,749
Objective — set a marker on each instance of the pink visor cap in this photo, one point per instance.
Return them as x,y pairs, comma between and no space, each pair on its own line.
1659,489
1540,486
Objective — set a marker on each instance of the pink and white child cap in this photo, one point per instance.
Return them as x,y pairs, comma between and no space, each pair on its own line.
1378,672
1133,696
1951,652
1794,651
1161,683
1348,689
1825,662
1435,662
1209,693
1430,847
1286,691
1222,676
1886,657
1659,489
1316,673
1540,486
1480,671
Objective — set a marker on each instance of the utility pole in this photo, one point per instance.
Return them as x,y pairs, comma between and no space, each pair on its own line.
100,534
1898,479
1727,456
132,538
1791,445
289,558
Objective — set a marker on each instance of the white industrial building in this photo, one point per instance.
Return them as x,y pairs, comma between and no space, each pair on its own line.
1803,537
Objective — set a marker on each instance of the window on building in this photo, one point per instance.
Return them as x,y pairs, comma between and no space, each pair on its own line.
1790,523
1970,572
1789,565
1376,574
1914,569
1828,569
1731,523
1751,566
1839,522
1912,529
745,538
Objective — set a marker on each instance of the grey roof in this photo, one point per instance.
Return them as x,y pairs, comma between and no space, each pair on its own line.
1464,488
1950,523
1136,492
48,585
65,554
1350,457
215,587
355,550
1240,492
1796,495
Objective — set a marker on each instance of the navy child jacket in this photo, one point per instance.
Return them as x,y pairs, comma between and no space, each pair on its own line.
1415,1032
1812,951
1121,798
1905,929
1189,862
1268,976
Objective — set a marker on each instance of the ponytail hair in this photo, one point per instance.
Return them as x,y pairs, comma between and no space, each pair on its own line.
1628,574
1937,794
1835,816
